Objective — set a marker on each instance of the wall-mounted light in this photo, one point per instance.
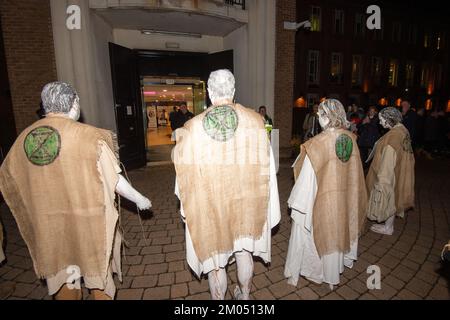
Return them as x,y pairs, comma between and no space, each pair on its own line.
430,89
448,106
366,86
300,103
398,102
171,33
428,104
383,102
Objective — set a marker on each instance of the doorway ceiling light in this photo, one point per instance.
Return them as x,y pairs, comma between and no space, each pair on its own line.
171,33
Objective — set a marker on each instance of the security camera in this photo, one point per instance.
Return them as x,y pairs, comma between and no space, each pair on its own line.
307,25
295,26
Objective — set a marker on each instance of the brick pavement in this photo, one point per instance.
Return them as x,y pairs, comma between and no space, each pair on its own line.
154,267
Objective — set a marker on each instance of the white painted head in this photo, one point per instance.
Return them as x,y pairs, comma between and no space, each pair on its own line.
221,87
332,115
390,117
61,98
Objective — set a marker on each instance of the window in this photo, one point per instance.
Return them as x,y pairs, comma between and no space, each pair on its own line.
339,21
412,34
316,19
393,73
426,39
360,25
439,42
376,70
425,75
336,68
312,99
356,70
438,76
396,32
313,67
409,74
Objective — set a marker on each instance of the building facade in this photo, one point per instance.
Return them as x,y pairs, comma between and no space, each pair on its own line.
285,70
340,57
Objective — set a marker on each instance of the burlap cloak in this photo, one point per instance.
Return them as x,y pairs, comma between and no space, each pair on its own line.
398,138
223,185
2,254
341,200
59,205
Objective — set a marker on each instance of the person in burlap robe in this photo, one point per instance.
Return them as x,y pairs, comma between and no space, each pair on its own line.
59,180
226,182
390,180
6,288
2,253
445,255
328,201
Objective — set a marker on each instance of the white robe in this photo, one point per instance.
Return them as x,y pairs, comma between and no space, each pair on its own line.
302,258
260,247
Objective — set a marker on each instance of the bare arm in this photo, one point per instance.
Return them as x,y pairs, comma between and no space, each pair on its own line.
125,189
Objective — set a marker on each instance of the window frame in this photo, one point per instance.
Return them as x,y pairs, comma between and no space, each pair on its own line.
359,19
340,72
341,20
359,69
316,72
319,19
393,61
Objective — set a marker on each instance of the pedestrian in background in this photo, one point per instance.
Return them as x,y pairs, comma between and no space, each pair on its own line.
369,133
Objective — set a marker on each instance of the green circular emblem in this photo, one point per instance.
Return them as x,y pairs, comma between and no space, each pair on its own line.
407,146
344,147
42,145
221,123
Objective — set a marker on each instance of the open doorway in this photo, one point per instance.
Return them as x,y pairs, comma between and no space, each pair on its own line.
138,76
163,99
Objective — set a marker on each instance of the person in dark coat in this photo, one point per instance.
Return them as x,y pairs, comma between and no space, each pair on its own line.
369,133
420,128
173,119
431,132
184,115
409,118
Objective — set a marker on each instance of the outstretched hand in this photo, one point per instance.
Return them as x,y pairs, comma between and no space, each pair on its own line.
144,204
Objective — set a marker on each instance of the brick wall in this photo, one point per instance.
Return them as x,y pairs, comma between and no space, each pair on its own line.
284,71
30,58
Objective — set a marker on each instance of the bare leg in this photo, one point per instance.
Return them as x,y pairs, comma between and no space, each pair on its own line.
65,293
100,295
218,284
244,261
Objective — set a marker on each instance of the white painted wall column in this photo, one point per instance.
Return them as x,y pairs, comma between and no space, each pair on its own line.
254,56
82,59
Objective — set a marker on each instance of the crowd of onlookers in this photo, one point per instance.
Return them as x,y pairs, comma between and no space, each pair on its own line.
429,129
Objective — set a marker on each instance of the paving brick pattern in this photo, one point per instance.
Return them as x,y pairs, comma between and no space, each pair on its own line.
154,265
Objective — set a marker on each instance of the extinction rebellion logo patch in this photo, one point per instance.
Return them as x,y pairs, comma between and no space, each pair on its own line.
407,146
42,145
344,147
221,123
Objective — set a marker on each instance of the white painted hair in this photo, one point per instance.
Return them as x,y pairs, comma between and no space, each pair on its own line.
391,115
221,85
58,97
335,112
